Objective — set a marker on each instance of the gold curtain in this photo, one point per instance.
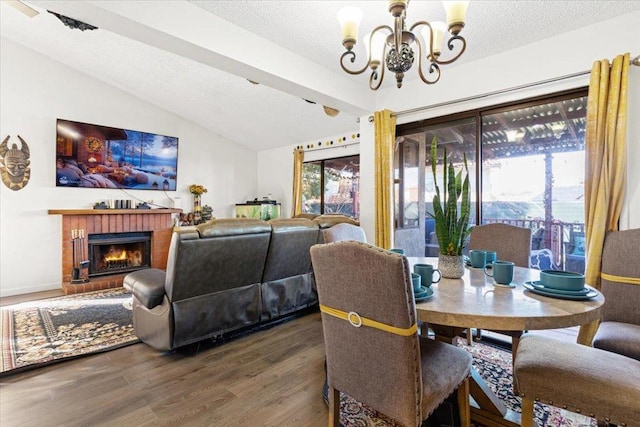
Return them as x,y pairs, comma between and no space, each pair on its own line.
296,200
605,151
385,136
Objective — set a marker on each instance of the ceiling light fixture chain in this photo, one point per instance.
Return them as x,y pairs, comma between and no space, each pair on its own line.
394,45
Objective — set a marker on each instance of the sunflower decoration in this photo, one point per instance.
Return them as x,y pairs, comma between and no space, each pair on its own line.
197,189
94,144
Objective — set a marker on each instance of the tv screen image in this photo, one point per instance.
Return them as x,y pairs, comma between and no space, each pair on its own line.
95,156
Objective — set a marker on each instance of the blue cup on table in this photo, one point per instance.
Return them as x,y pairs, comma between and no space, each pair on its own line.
416,281
501,271
478,258
426,272
490,256
397,251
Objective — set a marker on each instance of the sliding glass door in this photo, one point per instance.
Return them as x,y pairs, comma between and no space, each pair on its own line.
531,175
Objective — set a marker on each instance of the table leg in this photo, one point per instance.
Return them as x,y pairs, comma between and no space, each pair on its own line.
587,332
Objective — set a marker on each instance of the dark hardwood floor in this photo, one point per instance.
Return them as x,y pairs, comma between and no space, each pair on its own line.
271,377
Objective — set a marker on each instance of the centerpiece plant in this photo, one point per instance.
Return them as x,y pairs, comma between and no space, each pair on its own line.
197,190
451,223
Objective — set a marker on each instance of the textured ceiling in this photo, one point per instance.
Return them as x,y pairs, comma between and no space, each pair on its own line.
189,83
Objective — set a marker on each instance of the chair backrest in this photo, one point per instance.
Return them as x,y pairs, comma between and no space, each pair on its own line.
377,367
511,243
291,239
234,251
344,231
619,258
329,220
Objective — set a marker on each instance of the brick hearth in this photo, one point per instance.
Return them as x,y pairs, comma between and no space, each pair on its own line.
156,221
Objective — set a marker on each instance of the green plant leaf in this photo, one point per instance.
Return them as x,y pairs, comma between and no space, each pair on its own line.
452,226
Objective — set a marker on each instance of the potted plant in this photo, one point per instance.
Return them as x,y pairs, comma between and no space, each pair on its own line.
451,224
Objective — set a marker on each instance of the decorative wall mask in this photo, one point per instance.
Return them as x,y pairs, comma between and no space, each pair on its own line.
14,164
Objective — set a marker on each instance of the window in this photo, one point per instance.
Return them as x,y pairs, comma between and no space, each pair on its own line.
531,174
331,186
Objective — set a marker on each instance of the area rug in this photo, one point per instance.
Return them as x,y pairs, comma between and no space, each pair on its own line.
494,365
41,332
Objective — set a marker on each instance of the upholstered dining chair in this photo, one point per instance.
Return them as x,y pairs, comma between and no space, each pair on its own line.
587,380
374,353
511,243
344,231
619,329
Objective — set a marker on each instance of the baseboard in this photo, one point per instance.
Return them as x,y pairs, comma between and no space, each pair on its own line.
8,292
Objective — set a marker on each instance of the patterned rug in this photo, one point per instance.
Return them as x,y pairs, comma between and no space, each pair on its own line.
41,332
494,365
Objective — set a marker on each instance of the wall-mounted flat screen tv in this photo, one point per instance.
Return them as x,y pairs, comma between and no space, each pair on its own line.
95,156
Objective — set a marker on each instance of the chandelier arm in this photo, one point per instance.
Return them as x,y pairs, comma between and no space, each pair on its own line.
433,67
451,46
430,50
352,54
353,59
375,77
374,73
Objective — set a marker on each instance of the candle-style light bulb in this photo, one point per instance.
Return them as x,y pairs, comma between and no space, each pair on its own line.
456,13
349,18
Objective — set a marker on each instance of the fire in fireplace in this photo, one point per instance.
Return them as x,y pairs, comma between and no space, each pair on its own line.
114,253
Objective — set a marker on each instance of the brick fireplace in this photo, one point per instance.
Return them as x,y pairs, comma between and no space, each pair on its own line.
156,223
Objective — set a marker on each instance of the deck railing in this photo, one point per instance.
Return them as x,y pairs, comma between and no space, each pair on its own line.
557,236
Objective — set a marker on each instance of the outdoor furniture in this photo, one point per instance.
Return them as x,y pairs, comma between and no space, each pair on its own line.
374,352
597,383
474,300
575,250
619,330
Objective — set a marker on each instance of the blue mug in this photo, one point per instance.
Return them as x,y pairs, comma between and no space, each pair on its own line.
426,271
478,258
502,272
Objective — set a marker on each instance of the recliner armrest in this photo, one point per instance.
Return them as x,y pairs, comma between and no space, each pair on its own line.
147,286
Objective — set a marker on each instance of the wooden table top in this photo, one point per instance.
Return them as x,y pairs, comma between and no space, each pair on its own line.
474,301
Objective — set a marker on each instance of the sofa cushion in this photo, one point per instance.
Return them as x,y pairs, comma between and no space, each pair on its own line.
288,254
146,285
217,261
233,227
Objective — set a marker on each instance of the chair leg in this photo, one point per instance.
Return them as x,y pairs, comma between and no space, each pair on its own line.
469,336
334,407
463,404
527,412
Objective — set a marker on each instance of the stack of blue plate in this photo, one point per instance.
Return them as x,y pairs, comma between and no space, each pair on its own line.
424,293
561,284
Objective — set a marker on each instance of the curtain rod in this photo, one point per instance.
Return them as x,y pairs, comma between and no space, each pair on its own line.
633,61
312,149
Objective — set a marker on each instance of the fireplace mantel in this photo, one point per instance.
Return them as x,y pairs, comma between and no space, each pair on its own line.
156,221
112,211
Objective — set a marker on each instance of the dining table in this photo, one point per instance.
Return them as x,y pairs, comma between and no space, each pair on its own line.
475,301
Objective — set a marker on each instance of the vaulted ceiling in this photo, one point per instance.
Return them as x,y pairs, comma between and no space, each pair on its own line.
195,58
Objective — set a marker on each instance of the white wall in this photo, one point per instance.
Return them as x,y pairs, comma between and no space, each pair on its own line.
35,92
563,55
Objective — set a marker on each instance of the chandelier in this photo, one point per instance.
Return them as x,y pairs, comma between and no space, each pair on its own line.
395,45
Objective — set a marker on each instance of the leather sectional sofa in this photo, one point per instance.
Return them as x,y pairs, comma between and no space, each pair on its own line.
225,275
